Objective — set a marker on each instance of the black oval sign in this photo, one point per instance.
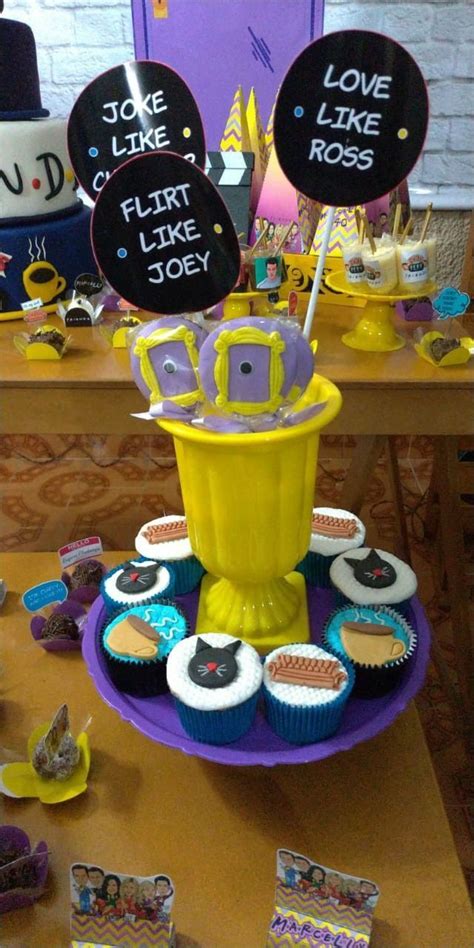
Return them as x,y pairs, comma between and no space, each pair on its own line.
133,109
350,118
87,284
163,237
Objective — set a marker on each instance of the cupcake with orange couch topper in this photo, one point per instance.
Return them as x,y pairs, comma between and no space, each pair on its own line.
166,540
333,531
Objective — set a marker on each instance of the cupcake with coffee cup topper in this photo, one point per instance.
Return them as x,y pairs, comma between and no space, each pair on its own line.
378,641
136,645
333,531
166,540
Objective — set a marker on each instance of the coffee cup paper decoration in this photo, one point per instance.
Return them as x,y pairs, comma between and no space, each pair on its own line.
163,236
350,122
135,108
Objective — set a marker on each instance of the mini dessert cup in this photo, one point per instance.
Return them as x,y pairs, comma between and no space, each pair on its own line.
353,264
378,641
413,264
62,631
380,269
215,680
333,531
83,582
305,690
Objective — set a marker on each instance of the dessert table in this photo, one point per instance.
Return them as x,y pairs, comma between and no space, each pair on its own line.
374,810
91,388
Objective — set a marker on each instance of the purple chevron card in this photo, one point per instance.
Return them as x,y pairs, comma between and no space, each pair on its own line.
316,906
111,908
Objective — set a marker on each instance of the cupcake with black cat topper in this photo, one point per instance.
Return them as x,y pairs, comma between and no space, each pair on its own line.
378,641
166,539
137,583
136,645
373,578
215,680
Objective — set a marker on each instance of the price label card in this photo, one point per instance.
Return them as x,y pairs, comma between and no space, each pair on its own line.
351,118
79,550
132,109
37,597
163,236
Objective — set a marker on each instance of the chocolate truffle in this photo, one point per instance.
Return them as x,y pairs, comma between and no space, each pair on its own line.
87,573
60,626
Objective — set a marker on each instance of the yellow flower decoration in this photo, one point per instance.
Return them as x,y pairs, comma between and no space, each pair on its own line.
21,780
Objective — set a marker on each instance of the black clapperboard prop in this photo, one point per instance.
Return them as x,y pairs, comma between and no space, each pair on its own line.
135,108
350,122
163,237
231,172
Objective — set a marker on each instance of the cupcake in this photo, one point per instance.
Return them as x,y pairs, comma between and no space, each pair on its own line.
373,578
378,641
136,645
305,691
332,532
215,679
84,581
166,539
137,583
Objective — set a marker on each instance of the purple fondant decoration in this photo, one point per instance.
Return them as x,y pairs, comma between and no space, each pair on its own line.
170,361
67,608
29,867
249,362
84,594
157,718
298,417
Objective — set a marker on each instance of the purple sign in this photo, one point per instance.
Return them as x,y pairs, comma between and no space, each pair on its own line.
252,45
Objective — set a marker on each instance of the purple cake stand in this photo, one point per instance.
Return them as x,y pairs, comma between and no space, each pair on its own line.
157,719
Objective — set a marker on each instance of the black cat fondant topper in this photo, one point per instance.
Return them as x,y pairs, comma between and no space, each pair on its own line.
373,571
213,667
136,578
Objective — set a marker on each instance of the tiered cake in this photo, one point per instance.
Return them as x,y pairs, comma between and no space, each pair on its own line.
44,227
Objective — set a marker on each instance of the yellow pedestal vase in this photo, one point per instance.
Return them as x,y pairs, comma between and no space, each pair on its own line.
248,501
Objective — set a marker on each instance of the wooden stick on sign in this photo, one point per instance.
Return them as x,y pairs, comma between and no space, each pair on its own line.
319,272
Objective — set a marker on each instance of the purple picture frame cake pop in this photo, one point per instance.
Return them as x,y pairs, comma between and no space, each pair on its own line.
164,360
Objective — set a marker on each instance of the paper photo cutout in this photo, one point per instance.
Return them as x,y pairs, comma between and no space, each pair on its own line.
351,118
163,236
135,108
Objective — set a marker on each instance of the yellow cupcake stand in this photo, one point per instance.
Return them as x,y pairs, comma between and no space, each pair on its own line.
375,331
248,501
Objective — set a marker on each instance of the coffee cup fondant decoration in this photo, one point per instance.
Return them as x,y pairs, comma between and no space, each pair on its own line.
163,236
370,643
132,109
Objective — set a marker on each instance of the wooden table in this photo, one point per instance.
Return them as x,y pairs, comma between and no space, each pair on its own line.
91,388
375,810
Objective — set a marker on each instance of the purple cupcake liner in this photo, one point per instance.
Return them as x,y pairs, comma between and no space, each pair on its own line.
69,608
25,872
315,569
218,727
85,595
308,724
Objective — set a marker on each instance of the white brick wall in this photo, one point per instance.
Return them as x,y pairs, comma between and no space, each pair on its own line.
77,41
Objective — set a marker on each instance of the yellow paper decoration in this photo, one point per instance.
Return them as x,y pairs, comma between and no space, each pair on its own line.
236,134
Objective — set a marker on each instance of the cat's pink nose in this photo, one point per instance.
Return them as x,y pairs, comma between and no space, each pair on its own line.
134,577
211,666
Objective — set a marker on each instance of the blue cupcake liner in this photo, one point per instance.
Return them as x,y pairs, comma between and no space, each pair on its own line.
188,573
112,605
374,681
315,569
138,679
404,607
218,727
299,724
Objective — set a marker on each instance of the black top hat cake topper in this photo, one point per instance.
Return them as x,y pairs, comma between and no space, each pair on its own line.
20,95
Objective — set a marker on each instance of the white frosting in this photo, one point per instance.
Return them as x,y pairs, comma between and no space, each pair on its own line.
301,695
342,577
245,684
169,550
21,145
134,599
331,546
